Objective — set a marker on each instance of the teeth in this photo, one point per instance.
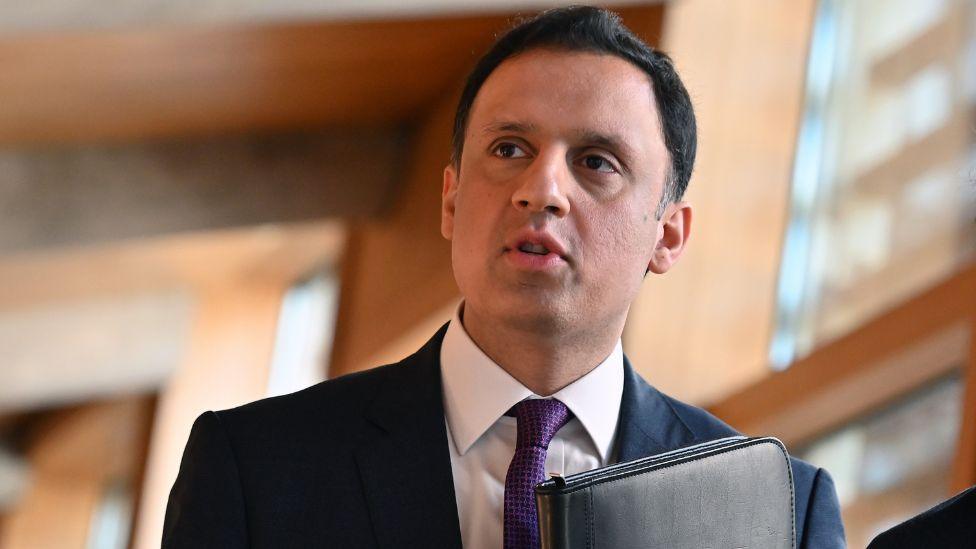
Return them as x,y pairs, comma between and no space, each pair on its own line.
534,248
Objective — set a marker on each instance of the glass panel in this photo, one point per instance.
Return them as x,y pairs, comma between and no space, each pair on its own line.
893,464
883,193
112,519
303,341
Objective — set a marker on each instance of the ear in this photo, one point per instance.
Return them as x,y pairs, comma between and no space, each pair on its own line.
448,196
673,230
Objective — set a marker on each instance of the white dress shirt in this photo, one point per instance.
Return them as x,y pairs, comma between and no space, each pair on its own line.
478,392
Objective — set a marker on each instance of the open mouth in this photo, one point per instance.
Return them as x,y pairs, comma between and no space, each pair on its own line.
537,249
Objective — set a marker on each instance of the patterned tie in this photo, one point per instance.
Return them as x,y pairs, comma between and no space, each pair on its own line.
538,421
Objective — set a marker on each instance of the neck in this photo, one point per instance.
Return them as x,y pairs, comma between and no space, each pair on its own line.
543,360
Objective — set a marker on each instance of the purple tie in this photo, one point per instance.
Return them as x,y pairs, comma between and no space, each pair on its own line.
538,421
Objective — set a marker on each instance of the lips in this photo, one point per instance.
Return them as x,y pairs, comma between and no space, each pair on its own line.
535,251
537,243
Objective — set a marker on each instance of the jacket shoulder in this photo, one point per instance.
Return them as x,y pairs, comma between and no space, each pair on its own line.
703,424
708,427
333,410
332,393
339,400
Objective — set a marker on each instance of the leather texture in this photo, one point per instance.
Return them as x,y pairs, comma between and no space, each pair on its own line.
734,493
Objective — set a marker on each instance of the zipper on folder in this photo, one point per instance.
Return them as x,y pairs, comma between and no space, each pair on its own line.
587,477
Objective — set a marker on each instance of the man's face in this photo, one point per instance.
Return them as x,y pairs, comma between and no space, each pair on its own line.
551,214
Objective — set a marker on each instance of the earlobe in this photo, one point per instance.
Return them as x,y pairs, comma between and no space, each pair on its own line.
673,232
448,196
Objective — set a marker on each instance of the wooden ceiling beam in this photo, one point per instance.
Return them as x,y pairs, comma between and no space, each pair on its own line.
917,341
940,42
83,195
941,147
75,86
193,260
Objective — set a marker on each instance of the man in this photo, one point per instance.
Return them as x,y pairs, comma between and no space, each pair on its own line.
573,145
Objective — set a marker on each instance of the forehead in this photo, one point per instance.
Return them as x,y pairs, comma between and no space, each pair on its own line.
560,92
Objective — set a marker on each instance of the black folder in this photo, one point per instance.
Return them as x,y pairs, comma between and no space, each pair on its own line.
728,493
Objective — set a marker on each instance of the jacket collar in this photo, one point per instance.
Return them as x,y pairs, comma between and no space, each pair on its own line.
648,422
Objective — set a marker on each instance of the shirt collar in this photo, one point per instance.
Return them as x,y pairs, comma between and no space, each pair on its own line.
477,392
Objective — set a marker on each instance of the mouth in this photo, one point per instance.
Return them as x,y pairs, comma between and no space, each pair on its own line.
536,251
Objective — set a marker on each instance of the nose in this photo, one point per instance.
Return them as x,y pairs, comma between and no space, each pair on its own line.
543,186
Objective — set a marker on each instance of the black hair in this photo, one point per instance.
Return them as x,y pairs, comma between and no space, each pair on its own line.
591,29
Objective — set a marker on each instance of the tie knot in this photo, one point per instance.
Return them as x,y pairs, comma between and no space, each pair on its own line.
538,420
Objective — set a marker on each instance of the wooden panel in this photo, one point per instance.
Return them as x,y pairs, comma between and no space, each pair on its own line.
229,348
702,331
105,346
121,313
397,271
237,277
919,340
191,260
168,81
647,22
964,467
87,194
866,387
75,455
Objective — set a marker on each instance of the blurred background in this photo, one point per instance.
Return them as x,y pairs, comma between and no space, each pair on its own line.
204,203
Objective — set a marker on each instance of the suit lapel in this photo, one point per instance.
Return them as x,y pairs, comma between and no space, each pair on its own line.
405,462
648,424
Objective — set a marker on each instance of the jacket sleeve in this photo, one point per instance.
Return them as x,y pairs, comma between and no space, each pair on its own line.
206,504
824,528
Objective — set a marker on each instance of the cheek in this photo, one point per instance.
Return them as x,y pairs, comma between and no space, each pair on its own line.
465,213
475,222
623,238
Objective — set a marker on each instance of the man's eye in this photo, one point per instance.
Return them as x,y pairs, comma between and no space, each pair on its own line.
599,164
509,150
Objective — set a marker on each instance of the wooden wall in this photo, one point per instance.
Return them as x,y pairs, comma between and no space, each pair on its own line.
703,330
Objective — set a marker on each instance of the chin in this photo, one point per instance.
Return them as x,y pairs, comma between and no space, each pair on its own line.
538,315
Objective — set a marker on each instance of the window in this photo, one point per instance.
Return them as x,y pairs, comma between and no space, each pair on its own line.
883,188
895,463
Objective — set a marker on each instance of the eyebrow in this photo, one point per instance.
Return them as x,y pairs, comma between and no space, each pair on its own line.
619,146
508,126
583,135
610,141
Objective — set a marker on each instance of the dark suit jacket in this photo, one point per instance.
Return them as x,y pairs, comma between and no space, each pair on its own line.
951,523
363,461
